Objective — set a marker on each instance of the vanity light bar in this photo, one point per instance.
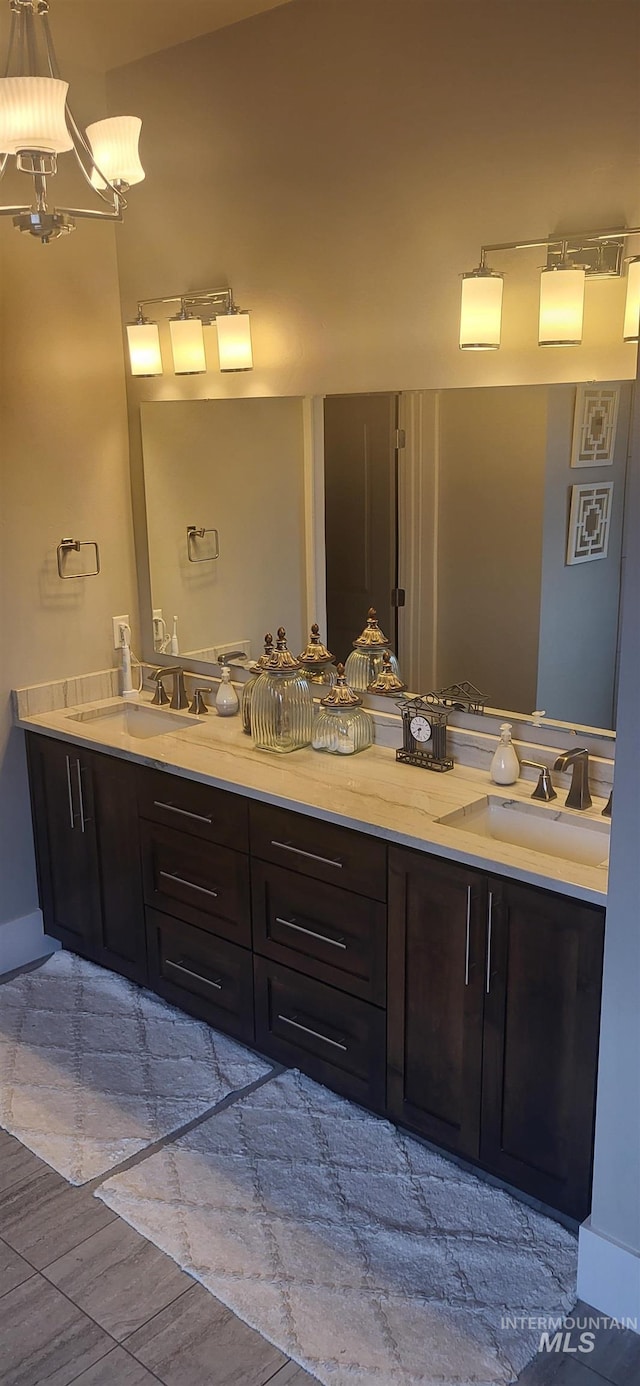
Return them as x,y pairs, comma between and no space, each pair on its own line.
571,260
186,328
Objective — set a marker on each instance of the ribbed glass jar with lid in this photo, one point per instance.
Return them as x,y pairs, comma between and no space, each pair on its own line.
281,703
342,726
365,661
317,661
247,692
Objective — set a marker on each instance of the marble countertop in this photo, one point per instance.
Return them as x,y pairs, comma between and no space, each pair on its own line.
369,791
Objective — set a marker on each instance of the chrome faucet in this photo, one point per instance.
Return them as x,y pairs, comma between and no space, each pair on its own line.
179,698
578,796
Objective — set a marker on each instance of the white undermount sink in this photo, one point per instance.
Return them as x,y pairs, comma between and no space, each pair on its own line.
136,719
531,826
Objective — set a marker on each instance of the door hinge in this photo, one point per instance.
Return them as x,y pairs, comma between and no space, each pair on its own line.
401,439
398,596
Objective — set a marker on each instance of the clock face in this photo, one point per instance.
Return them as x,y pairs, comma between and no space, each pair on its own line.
420,728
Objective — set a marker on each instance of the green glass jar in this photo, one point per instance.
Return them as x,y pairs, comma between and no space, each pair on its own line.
281,703
317,661
365,662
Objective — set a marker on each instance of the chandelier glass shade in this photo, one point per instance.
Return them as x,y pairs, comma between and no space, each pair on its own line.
37,125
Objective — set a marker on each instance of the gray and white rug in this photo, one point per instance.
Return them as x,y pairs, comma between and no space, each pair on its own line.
93,1068
369,1259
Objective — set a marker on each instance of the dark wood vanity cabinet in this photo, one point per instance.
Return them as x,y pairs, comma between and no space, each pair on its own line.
465,1006
86,834
494,1006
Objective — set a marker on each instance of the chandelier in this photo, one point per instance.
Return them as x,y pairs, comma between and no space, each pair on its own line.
37,124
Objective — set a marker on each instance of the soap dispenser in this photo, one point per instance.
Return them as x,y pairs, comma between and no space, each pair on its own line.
227,703
505,766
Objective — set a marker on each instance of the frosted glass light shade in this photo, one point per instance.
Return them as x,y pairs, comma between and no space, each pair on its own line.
481,311
234,342
631,331
561,307
187,346
144,348
114,145
32,115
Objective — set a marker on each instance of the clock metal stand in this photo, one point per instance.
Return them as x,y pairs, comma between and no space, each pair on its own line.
424,728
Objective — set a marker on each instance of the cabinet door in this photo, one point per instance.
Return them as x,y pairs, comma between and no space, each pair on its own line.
437,942
122,937
66,844
542,1011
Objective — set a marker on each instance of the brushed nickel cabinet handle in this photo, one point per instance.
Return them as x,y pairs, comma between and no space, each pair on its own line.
72,816
286,1020
310,933
170,876
184,813
312,856
195,976
467,939
83,820
489,933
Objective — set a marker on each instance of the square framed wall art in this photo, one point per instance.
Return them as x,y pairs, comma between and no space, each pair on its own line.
589,522
594,426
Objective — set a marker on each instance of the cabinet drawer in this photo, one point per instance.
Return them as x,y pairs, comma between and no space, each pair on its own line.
334,1038
327,933
197,881
325,851
204,975
213,814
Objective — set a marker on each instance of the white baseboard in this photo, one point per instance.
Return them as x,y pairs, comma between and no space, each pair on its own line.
609,1276
23,941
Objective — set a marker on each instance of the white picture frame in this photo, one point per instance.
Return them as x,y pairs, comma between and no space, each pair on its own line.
589,522
595,422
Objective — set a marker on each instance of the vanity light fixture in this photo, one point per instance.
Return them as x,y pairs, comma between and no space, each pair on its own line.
37,124
572,259
197,310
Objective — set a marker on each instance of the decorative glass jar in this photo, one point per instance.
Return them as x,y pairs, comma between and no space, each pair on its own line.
365,661
281,703
387,684
342,726
317,661
247,692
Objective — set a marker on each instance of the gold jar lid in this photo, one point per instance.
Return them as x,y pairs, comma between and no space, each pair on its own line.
281,661
316,653
387,682
341,694
262,662
372,637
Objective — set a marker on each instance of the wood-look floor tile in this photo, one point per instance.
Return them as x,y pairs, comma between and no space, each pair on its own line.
197,1340
292,1375
48,1217
119,1278
616,1356
13,1270
116,1369
17,1164
44,1338
560,1369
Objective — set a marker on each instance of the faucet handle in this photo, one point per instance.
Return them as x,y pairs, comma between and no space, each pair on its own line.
160,697
544,789
199,706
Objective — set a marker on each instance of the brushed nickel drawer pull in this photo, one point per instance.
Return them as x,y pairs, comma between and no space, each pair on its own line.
286,1020
197,977
72,816
184,813
467,940
489,933
170,876
310,933
326,861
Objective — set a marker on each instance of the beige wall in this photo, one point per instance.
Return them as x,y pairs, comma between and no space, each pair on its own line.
339,162
237,466
63,471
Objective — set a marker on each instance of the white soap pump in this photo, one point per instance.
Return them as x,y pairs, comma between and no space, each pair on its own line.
505,766
227,702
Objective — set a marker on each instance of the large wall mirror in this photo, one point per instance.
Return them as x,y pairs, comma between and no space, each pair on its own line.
460,538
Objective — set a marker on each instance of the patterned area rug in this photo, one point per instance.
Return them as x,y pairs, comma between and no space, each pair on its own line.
93,1068
364,1256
